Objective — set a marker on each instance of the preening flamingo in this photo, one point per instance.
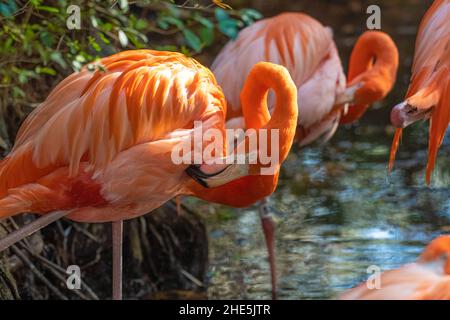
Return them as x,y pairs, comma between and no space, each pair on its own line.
306,48
428,96
98,149
426,279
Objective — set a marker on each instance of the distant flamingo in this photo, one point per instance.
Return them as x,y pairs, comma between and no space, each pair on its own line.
98,149
306,48
426,279
428,96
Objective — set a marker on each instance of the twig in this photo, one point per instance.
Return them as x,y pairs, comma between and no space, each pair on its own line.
57,270
85,232
38,274
192,278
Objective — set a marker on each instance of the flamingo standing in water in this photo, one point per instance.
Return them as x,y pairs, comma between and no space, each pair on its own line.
306,48
426,279
99,148
428,96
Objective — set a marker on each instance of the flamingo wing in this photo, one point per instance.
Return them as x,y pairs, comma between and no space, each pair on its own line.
432,50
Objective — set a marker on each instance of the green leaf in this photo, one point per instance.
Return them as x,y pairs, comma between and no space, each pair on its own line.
80,58
207,36
24,75
94,21
48,9
184,50
57,57
174,21
123,39
94,44
12,5
221,14
141,24
173,11
18,93
36,3
204,21
47,38
229,28
192,40
45,70
123,4
76,65
167,48
5,10
107,26
104,38
8,43
252,13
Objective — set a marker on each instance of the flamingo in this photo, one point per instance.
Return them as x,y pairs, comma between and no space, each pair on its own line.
99,148
428,95
426,279
306,48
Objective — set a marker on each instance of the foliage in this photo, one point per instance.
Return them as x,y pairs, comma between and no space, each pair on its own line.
37,49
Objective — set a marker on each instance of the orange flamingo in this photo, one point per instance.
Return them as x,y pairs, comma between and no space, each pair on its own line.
426,279
98,149
428,96
306,48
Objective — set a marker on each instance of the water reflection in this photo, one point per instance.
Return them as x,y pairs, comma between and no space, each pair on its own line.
338,213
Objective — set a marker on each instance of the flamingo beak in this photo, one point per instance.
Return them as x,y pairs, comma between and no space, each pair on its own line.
204,175
348,96
404,114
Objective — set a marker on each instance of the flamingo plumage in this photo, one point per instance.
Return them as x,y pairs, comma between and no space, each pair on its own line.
428,95
99,148
306,48
426,279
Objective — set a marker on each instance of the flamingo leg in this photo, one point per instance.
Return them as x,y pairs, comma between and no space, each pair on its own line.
268,226
31,228
117,246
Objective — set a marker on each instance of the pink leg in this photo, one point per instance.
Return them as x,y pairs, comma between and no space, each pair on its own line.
117,239
268,226
31,228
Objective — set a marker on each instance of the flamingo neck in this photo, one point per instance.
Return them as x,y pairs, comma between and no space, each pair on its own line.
374,63
263,77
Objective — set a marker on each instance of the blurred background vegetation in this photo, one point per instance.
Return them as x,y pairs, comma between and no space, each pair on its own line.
37,49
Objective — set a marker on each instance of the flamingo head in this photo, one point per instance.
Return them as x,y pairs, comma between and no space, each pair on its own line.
417,107
372,73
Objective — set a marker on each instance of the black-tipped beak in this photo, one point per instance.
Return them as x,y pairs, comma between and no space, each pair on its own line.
222,176
198,175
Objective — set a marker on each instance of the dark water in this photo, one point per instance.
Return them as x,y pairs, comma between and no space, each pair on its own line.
338,211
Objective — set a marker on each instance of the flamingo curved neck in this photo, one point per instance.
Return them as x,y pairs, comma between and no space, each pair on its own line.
264,77
373,65
249,189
